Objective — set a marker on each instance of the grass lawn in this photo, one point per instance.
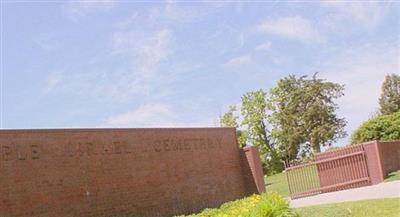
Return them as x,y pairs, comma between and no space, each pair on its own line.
304,179
393,176
277,183
367,208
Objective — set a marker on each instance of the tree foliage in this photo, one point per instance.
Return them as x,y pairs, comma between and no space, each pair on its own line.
383,127
254,112
390,97
287,129
298,115
304,111
229,119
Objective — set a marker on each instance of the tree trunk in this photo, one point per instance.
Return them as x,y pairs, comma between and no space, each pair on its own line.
316,148
266,140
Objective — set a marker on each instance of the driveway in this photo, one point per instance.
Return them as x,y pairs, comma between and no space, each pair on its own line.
382,190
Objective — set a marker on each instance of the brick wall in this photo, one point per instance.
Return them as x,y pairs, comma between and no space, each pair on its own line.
120,172
390,156
254,161
373,157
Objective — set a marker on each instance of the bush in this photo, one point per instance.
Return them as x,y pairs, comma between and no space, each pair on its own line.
266,205
383,127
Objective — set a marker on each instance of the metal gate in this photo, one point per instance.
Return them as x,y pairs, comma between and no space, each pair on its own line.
331,171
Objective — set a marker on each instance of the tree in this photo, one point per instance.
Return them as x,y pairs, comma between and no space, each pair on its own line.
254,112
297,116
254,116
229,119
287,128
322,125
304,112
390,97
383,127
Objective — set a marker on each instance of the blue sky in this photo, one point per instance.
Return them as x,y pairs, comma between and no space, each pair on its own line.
163,64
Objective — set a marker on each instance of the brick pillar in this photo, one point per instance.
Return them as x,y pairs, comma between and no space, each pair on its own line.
390,156
253,158
374,161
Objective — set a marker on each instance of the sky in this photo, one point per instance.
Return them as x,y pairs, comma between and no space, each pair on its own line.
91,64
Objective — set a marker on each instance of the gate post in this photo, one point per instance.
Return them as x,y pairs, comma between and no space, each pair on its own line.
373,158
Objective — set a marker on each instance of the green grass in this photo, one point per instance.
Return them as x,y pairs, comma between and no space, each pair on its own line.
308,177
304,179
277,183
367,208
393,176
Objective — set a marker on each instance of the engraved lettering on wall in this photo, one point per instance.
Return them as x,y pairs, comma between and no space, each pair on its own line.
19,152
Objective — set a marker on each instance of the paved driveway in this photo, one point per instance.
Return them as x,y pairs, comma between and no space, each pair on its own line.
382,190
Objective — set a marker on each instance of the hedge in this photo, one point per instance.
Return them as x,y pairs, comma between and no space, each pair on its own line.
383,128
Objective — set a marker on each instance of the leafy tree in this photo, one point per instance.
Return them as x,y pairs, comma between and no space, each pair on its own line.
287,129
298,115
254,112
303,111
383,127
390,97
322,125
229,119
242,138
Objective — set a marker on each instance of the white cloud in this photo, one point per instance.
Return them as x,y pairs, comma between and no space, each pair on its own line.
367,13
53,80
145,116
176,12
362,71
129,21
145,49
241,60
135,56
264,46
169,14
47,42
154,115
295,27
77,9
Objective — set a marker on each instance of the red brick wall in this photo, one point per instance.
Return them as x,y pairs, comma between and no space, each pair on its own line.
390,156
254,161
119,172
373,158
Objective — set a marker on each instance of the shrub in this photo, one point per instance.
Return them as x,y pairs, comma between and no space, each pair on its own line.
266,205
383,127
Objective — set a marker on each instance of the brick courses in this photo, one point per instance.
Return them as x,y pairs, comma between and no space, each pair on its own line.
121,172
390,152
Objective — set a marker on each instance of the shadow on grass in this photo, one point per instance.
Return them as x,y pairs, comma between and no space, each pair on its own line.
393,176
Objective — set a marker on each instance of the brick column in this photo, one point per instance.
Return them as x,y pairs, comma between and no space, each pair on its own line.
374,161
253,158
390,156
